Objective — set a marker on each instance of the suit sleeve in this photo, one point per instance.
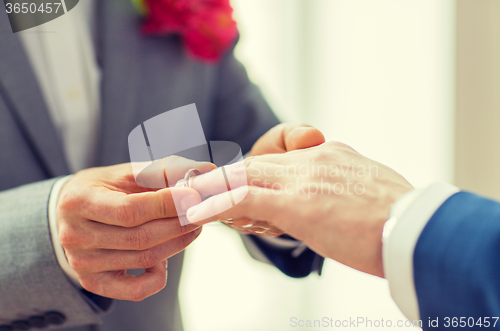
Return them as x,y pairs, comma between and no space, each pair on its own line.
242,116
457,262
30,275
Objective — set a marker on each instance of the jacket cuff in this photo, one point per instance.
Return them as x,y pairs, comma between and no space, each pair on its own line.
32,282
409,215
99,304
58,249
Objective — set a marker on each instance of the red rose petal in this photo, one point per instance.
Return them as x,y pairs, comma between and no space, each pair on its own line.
207,26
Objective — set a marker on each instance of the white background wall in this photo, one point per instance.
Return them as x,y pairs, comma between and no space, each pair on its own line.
376,74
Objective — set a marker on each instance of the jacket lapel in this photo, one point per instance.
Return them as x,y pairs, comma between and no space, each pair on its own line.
19,87
118,49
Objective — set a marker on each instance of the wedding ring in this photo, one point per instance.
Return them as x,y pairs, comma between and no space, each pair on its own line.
228,221
250,227
188,176
259,230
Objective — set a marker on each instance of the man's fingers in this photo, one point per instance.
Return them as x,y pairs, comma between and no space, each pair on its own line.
208,184
257,203
141,237
165,172
303,137
219,180
176,168
112,260
118,285
257,171
130,210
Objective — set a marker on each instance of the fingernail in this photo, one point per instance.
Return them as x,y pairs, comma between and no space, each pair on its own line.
205,166
189,201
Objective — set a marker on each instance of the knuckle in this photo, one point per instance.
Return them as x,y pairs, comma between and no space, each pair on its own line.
164,208
126,213
139,238
90,284
248,161
280,127
172,158
186,239
237,173
139,293
162,282
69,201
142,291
76,263
335,144
338,145
67,236
72,235
148,258
326,154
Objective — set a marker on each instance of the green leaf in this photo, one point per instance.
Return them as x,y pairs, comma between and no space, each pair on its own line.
141,6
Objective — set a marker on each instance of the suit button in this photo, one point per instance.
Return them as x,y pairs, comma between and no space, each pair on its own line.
21,325
54,318
6,328
38,322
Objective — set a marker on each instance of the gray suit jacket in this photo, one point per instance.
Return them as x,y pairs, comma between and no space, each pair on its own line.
142,77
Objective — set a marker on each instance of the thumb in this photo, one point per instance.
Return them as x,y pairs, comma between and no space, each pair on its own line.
303,137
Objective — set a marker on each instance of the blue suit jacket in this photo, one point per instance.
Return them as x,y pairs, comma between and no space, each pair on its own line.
457,264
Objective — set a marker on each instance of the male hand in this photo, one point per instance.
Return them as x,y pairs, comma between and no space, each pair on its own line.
108,224
330,197
287,137
282,138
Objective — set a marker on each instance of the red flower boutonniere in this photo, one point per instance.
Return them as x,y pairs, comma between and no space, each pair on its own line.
206,27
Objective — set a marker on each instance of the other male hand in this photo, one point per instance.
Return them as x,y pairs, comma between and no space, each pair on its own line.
108,224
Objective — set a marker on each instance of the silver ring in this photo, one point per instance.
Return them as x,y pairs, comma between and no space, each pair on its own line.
259,230
187,176
228,221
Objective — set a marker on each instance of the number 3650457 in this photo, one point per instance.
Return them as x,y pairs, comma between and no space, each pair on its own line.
33,8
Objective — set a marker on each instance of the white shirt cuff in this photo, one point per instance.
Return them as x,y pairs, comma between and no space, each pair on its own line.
58,249
408,217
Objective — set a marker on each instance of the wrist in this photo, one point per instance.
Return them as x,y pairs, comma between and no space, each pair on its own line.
53,224
394,196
